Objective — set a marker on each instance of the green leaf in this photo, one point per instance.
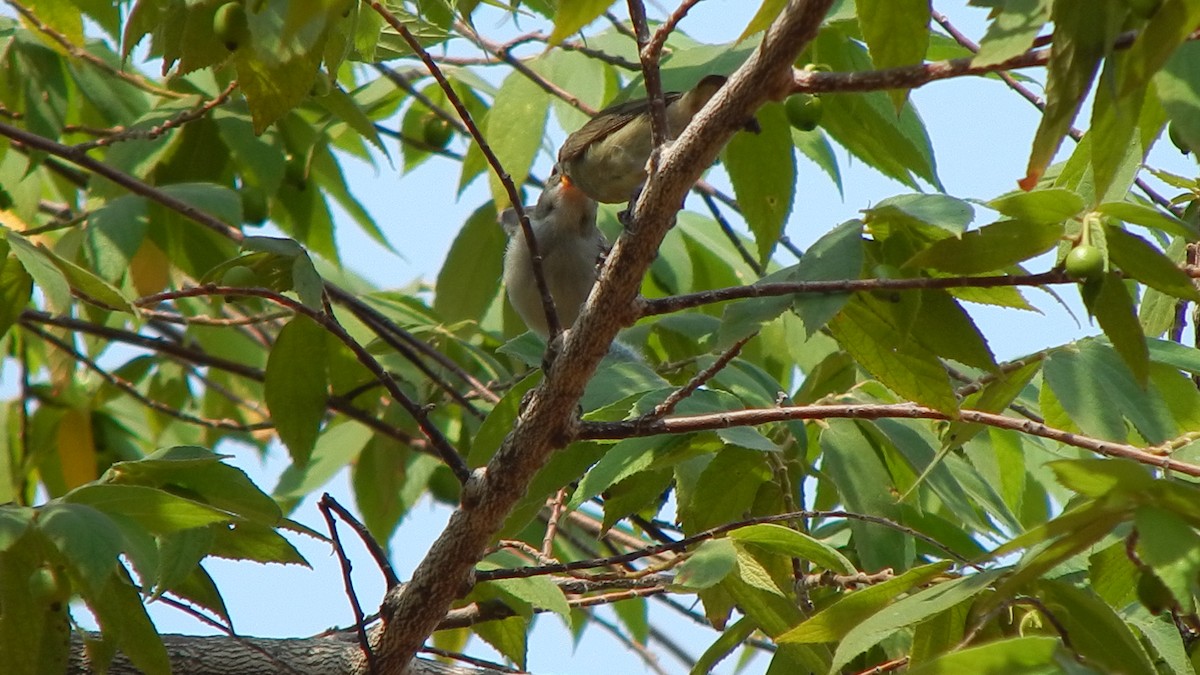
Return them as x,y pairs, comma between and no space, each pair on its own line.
1097,633
1083,33
1016,655
724,490
508,636
862,483
1098,392
1137,214
1051,205
990,248
897,34
1179,97
1167,29
276,68
88,538
159,511
1171,548
832,623
1012,31
766,14
708,565
1142,261
1113,308
296,385
206,478
909,611
540,592
16,288
866,124
816,147
515,127
870,335
342,106
726,642
623,460
337,446
940,211
1096,478
945,328
838,254
81,279
470,276
123,620
762,168
499,422
789,542
570,17
46,275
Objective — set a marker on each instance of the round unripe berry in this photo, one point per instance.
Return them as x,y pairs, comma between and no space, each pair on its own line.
436,132
1084,263
231,25
804,111
49,586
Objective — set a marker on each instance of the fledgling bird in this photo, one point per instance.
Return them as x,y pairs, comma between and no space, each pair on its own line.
606,158
564,226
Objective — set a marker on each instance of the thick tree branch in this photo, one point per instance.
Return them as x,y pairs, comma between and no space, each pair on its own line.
548,420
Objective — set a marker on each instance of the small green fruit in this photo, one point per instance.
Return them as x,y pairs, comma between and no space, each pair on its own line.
239,276
1084,263
436,132
49,586
803,111
1177,138
231,25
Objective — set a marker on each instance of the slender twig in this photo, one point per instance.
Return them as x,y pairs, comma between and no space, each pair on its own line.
404,82
712,533
493,161
481,663
138,187
446,451
558,504
676,303
368,540
1029,95
674,398
82,54
733,237
159,129
736,418
649,658
131,390
228,631
201,320
650,74
381,323
364,642
198,357
653,48
504,53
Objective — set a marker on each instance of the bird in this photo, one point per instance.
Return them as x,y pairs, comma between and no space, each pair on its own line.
606,158
570,245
